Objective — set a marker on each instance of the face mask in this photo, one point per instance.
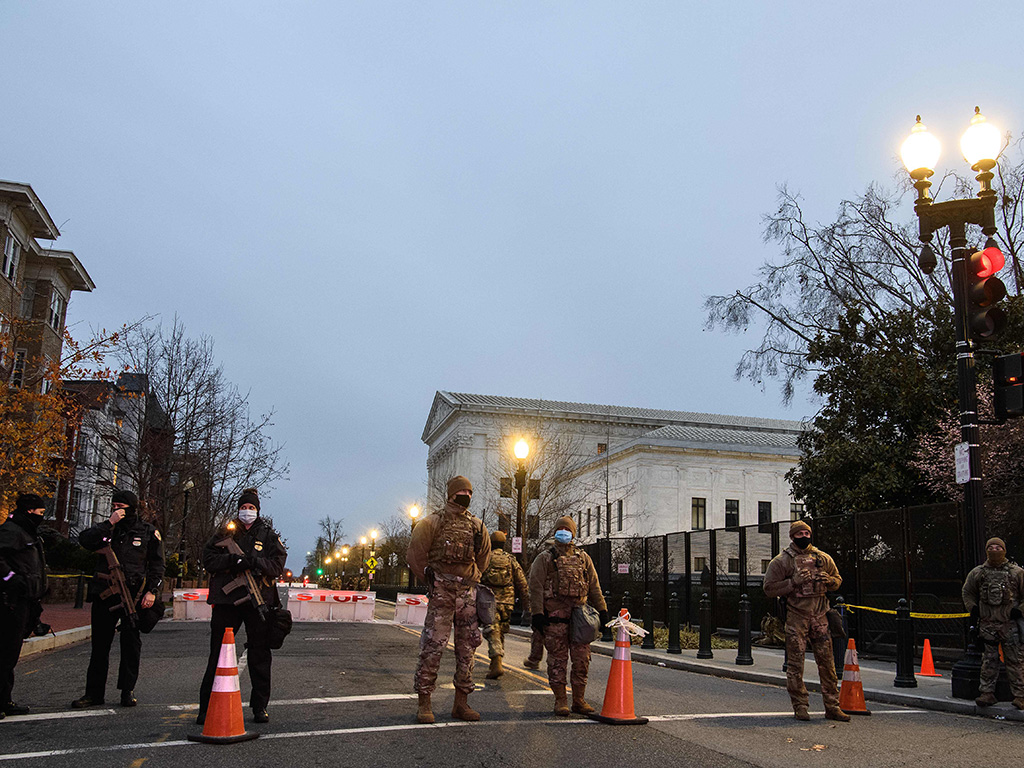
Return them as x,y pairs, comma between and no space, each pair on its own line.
802,543
996,558
247,516
563,536
462,499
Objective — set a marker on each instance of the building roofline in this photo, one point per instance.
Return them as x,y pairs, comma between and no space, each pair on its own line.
39,218
68,263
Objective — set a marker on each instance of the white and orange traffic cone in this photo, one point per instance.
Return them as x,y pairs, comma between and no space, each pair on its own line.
224,721
927,664
618,695
851,693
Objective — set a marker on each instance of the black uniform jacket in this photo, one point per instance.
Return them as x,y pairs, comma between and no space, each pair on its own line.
22,552
139,549
265,556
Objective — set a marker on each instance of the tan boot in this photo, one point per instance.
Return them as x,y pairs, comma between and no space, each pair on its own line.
985,700
561,702
461,708
835,713
800,712
531,664
495,671
424,714
579,704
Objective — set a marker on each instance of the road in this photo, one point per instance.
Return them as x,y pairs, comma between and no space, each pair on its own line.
342,697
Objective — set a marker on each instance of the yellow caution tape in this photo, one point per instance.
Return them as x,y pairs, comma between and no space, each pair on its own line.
912,614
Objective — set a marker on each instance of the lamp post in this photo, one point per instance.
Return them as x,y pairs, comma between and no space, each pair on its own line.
362,557
181,534
373,552
521,450
920,153
414,513
344,564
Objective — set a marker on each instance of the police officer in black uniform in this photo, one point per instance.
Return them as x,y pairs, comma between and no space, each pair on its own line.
263,555
140,551
22,586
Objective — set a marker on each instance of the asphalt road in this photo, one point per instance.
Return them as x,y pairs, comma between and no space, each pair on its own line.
342,697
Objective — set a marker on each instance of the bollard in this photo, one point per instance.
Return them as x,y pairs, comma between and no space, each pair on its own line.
704,652
674,646
606,631
839,643
80,591
743,655
648,643
904,647
625,601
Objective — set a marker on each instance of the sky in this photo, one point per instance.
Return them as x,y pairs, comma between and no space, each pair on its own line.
364,202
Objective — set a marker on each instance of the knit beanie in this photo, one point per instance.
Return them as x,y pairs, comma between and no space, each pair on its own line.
992,558
27,501
798,525
126,497
459,483
497,539
249,496
566,522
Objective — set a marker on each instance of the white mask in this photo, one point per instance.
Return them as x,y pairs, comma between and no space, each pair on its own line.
247,516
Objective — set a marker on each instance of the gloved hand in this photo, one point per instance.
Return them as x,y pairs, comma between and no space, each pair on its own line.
538,622
17,586
1015,613
799,577
604,617
975,615
428,576
239,565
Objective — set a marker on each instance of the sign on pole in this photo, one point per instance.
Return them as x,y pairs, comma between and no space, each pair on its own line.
962,457
623,567
517,545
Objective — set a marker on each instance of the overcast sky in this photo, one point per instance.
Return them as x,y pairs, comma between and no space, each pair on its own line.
365,202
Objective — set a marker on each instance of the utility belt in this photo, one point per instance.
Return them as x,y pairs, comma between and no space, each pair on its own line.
556,620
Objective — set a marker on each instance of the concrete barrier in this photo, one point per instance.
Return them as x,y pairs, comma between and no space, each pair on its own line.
411,610
191,605
330,605
55,640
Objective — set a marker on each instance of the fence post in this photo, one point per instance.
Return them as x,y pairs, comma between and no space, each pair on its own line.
626,602
674,645
80,591
606,631
839,643
648,643
704,652
904,647
743,655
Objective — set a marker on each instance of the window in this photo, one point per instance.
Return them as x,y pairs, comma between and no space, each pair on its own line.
12,252
698,514
602,447
76,507
620,514
699,564
588,521
796,511
734,565
28,296
608,519
764,566
82,455
18,370
764,512
57,304
732,513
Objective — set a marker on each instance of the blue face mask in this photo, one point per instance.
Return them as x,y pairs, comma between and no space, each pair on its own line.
563,536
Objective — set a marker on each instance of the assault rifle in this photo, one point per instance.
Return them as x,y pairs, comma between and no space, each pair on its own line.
244,579
117,586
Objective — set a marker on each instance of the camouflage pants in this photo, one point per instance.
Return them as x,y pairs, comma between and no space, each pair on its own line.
1004,634
536,647
800,630
556,640
495,633
450,603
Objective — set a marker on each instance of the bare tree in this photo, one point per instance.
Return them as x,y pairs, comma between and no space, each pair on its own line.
331,532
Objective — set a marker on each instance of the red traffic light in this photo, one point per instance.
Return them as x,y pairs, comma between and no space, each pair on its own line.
987,262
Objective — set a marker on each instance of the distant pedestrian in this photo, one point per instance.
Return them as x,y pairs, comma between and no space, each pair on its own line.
449,550
993,593
139,549
22,586
802,574
506,579
263,556
561,578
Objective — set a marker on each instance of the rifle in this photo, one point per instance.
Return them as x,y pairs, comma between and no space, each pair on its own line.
244,579
117,586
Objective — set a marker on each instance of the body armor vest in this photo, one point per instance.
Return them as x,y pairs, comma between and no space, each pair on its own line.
813,565
455,540
996,587
570,576
499,572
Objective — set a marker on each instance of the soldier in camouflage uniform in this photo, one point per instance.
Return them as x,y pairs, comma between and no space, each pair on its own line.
449,550
560,578
802,574
506,579
537,636
992,593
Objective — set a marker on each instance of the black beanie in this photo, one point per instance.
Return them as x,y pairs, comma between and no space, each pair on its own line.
249,496
126,497
27,501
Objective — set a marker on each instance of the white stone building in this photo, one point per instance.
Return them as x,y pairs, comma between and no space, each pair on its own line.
638,471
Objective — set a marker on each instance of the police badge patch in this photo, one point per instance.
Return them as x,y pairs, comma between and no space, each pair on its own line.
258,546
157,534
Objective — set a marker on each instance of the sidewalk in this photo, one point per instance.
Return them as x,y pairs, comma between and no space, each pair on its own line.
877,677
70,625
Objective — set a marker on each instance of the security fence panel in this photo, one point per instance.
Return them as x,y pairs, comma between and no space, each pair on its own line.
883,577
1004,517
936,578
627,573
758,555
676,570
655,575
700,572
727,578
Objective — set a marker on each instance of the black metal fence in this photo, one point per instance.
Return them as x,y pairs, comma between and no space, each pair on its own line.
883,555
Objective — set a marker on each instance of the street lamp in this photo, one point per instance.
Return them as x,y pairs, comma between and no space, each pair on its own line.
521,451
920,153
373,552
344,562
414,513
189,485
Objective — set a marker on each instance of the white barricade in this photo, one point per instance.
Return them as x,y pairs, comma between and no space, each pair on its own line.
411,609
191,605
330,605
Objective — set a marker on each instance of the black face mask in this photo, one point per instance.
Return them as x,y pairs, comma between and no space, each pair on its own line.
28,521
462,499
802,543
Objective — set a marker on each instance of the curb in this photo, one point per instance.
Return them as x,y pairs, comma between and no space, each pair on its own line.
746,674
56,640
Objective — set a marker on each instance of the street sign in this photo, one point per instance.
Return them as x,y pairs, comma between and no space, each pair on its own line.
372,563
517,545
623,567
393,559
962,457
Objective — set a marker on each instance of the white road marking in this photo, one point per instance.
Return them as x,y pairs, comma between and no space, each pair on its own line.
348,699
787,713
56,715
243,661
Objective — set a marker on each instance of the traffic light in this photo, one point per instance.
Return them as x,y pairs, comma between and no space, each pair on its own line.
985,319
1008,374
319,571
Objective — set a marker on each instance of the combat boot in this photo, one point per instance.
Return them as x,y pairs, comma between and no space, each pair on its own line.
800,712
579,704
531,664
985,700
1019,702
461,708
495,671
424,714
561,702
835,713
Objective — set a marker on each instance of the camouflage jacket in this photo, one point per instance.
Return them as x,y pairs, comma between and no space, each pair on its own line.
994,590
506,579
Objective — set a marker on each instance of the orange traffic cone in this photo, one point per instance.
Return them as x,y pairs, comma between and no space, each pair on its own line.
618,695
851,694
224,722
927,665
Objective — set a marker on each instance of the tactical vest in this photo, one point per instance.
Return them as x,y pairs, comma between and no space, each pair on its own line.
815,565
455,541
499,572
570,578
996,587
